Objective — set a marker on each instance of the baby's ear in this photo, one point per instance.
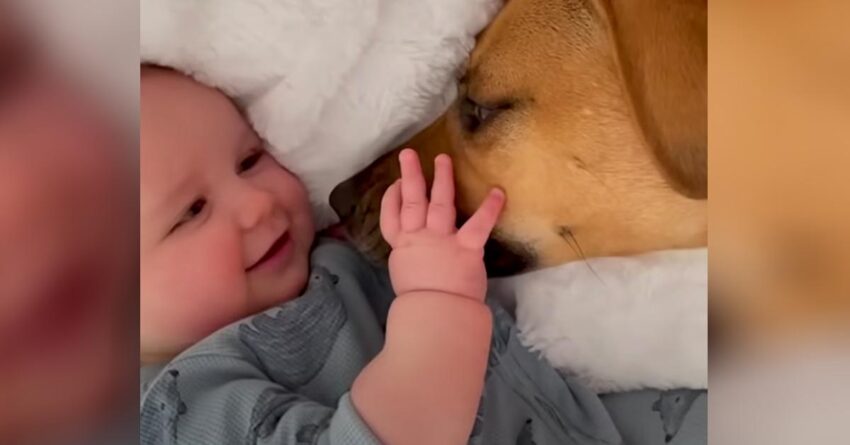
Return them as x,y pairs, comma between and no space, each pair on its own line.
662,53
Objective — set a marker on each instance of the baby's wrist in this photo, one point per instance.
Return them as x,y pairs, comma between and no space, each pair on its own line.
431,291
452,278
426,310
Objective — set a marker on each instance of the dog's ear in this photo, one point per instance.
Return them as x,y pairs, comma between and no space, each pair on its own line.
662,52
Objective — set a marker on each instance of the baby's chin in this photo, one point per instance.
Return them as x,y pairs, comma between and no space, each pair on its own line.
278,287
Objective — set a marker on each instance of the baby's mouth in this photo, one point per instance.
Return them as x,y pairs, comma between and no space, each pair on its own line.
277,251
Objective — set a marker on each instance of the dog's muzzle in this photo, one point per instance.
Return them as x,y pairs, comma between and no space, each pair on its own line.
344,199
504,259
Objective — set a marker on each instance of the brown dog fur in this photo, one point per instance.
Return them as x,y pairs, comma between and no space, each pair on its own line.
591,115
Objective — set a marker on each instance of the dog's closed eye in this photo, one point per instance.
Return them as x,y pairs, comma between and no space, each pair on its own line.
474,115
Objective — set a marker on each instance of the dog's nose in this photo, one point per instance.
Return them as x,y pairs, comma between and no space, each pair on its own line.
343,199
503,260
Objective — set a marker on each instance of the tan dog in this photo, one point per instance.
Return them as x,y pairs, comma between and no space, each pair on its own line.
591,115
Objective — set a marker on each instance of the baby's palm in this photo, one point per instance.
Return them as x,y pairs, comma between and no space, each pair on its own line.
428,251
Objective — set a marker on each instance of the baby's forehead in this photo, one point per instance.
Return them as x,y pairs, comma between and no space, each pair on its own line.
187,130
180,116
165,86
157,74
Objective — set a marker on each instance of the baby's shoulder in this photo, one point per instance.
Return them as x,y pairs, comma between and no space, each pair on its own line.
352,276
330,247
341,257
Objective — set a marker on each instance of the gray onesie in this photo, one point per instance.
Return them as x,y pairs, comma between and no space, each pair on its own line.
283,377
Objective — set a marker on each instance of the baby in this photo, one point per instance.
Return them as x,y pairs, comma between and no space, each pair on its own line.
259,334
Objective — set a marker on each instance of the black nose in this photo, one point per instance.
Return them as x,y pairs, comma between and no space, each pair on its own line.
343,199
504,259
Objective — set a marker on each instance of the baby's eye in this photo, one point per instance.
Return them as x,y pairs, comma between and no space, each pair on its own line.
251,161
191,213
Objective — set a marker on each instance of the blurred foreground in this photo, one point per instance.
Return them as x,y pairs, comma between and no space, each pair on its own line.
68,221
779,250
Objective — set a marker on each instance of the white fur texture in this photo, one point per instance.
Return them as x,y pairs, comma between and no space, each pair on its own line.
329,84
618,323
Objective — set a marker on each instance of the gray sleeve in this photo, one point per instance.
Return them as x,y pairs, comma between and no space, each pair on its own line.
347,427
226,400
675,417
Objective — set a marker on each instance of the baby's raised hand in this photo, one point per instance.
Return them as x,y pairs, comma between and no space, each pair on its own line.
428,252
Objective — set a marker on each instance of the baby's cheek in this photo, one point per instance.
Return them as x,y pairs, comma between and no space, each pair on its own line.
289,190
207,304
192,295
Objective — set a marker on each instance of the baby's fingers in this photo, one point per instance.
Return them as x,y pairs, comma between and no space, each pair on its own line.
476,230
390,211
414,202
441,210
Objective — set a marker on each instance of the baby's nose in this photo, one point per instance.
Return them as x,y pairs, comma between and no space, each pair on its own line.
256,206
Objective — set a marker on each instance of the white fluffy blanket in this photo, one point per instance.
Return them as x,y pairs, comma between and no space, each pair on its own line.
618,323
332,84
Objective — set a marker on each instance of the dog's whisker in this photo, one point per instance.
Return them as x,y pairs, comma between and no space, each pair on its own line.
567,234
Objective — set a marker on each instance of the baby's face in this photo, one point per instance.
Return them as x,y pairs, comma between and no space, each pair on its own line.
225,230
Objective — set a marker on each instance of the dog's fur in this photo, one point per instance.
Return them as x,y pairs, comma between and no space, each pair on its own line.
591,115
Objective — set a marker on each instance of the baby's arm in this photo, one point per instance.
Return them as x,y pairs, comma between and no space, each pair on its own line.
425,385
228,390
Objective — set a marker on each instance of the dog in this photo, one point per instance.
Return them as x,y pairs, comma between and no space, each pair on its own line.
590,115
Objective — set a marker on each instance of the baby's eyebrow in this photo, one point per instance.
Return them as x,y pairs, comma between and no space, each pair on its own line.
250,137
168,202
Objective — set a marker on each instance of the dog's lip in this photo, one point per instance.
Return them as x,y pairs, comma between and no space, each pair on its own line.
276,246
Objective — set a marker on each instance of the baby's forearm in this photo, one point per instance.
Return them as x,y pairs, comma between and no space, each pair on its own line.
425,385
